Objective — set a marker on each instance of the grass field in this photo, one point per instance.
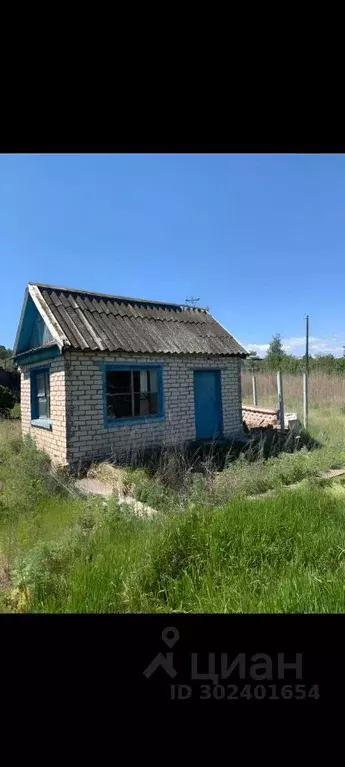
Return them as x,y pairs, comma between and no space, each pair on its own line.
211,548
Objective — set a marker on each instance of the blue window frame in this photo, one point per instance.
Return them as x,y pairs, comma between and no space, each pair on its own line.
132,393
40,397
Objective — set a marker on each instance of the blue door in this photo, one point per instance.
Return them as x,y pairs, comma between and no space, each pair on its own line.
207,404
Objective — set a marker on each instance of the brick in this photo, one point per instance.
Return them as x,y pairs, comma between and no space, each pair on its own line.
77,406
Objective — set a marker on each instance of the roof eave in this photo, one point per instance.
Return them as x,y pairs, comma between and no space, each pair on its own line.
52,324
244,353
128,352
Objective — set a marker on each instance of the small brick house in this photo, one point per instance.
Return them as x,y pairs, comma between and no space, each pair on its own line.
104,375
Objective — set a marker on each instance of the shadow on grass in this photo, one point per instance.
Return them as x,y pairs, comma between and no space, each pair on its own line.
215,455
261,444
271,442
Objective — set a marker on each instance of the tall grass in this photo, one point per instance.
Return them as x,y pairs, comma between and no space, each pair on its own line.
35,502
278,555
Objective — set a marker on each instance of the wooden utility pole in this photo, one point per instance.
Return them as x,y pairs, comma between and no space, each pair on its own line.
306,375
280,399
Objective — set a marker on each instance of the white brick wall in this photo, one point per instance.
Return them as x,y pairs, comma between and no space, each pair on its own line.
52,441
89,438
78,430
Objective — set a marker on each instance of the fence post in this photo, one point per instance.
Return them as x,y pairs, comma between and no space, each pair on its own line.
255,399
280,399
305,400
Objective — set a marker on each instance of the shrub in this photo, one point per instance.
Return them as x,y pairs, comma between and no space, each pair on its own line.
27,480
44,568
15,412
10,439
7,401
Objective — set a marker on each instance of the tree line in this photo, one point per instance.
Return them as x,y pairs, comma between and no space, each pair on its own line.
5,358
277,359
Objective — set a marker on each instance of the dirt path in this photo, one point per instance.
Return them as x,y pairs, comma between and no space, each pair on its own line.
330,474
89,486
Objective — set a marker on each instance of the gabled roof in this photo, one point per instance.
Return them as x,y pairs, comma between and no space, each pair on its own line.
83,320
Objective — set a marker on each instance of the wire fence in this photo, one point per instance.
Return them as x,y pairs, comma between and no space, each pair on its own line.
323,390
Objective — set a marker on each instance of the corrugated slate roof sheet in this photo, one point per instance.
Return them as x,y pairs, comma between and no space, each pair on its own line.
100,322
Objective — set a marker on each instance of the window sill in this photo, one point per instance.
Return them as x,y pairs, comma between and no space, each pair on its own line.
116,422
42,423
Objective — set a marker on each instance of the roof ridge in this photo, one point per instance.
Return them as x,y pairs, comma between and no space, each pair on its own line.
119,298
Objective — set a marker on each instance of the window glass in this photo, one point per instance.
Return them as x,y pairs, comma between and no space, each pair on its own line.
42,407
153,381
119,406
132,393
41,395
136,380
40,385
144,378
119,381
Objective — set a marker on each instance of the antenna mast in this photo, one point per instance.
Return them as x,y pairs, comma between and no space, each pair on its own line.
192,301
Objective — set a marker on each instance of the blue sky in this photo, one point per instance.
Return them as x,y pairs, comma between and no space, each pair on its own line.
259,238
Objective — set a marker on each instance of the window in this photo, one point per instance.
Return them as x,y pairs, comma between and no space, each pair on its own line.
40,396
133,393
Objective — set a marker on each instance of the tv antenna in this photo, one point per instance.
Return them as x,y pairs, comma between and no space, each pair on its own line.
192,301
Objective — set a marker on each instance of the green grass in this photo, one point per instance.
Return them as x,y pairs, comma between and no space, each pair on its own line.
210,549
284,554
36,505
